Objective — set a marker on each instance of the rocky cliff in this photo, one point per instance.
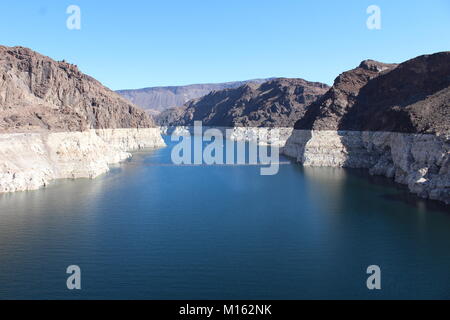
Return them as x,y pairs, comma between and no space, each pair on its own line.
391,119
412,97
31,160
56,122
275,103
37,92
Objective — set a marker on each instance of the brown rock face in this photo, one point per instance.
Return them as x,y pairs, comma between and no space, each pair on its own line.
38,93
413,97
276,103
170,116
158,99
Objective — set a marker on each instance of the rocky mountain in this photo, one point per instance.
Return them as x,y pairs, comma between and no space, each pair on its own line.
58,123
393,120
413,97
275,103
158,99
38,93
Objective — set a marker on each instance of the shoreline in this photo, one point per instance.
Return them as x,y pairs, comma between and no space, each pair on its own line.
29,161
419,161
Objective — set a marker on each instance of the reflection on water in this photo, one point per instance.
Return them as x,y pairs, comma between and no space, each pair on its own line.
147,230
326,186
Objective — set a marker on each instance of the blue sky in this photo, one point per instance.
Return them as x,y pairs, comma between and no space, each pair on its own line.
135,44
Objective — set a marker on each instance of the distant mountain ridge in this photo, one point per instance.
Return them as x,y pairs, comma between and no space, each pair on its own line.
411,97
276,103
158,99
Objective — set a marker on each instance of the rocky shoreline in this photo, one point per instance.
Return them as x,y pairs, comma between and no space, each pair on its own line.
57,122
259,135
29,161
420,161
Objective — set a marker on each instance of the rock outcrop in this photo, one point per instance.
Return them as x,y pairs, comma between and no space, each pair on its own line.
412,97
56,122
29,161
38,93
277,136
276,103
420,161
170,117
391,119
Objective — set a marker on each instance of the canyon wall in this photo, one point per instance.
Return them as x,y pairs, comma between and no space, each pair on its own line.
57,122
29,161
420,161
391,119
276,103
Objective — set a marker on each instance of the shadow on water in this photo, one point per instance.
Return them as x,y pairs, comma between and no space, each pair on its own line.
402,193
394,191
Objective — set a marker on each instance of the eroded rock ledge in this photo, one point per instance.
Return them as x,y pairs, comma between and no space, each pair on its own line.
420,161
29,161
257,135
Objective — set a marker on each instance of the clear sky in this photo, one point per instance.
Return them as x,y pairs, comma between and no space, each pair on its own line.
135,44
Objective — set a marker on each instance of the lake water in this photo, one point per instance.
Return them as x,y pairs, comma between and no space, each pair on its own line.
152,230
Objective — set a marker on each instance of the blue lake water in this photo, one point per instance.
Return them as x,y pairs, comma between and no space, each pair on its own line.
152,230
